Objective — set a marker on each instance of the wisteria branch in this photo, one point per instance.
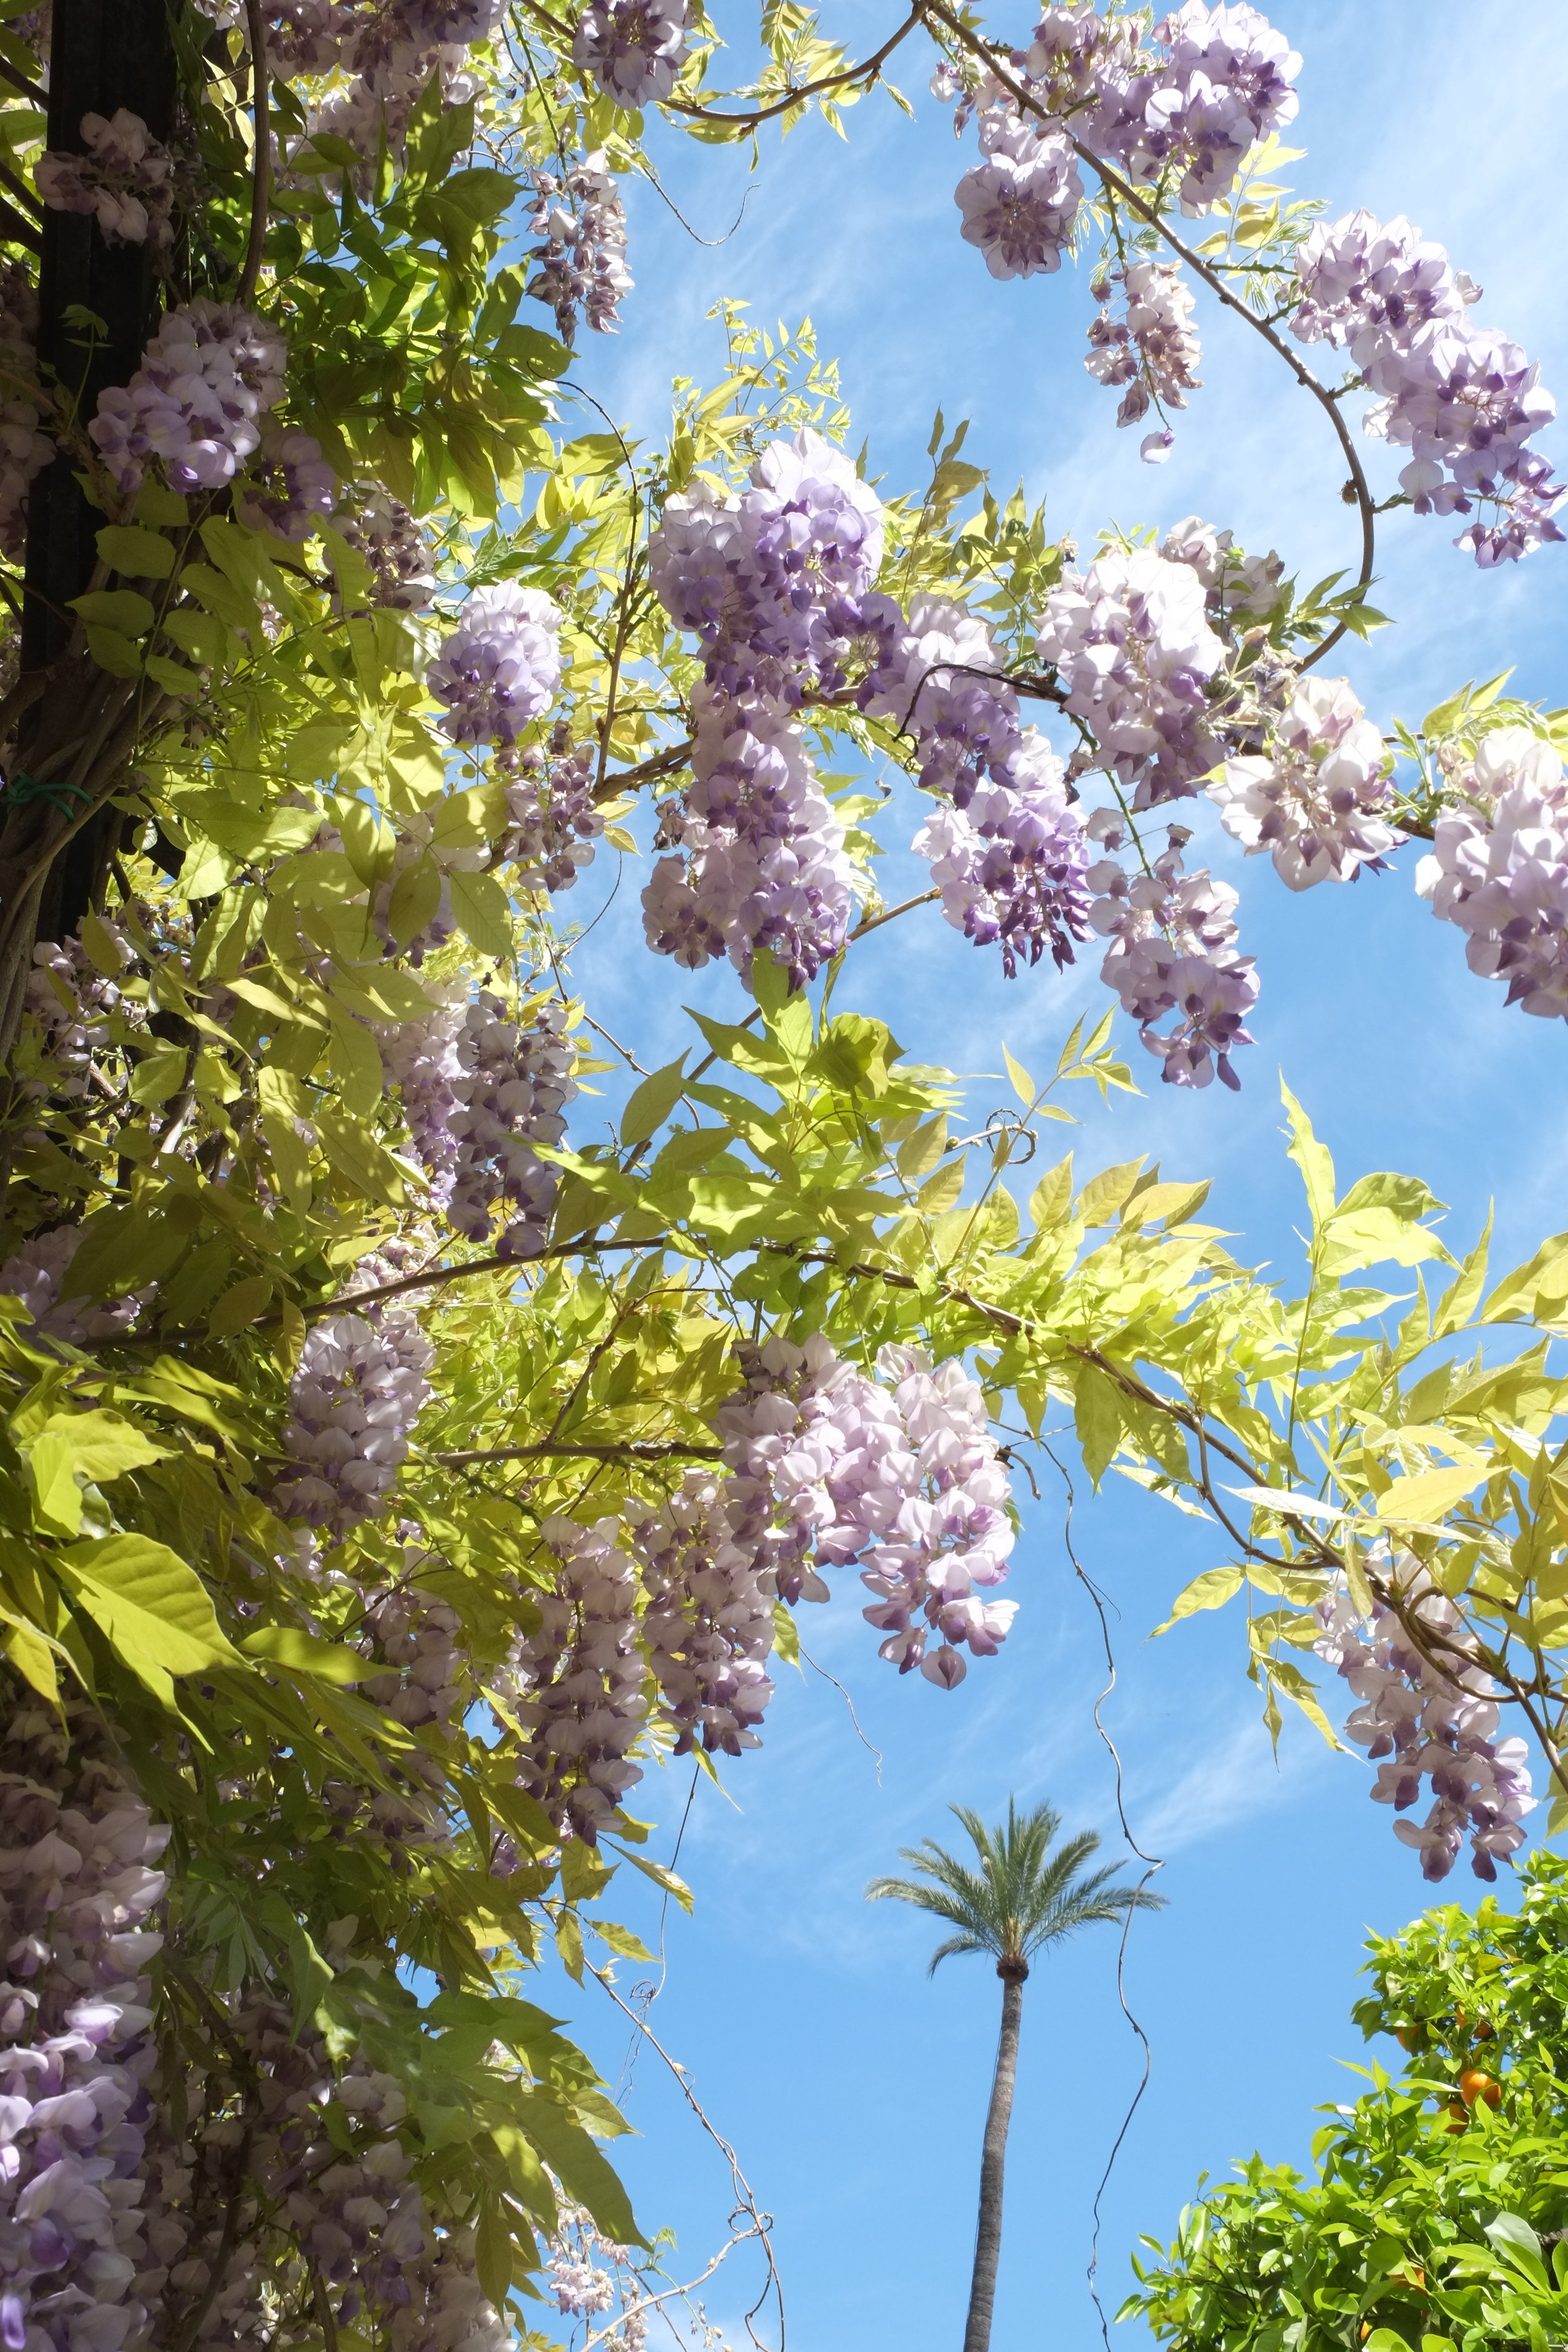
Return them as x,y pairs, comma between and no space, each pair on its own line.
1150,214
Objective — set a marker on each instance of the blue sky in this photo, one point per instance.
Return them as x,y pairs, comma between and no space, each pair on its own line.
852,2088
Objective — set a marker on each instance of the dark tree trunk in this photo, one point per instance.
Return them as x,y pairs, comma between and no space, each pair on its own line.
104,54
992,2162
98,303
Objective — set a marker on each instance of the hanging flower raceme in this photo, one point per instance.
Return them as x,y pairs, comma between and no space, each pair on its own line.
1145,342
708,1627
583,256
1499,868
928,683
207,377
1173,949
361,1384
512,1084
1130,643
1012,864
380,529
1020,206
551,807
1314,801
833,1467
574,1687
1462,399
419,1057
80,1895
1237,587
38,1275
124,180
500,668
773,582
1422,1722
1183,111
634,49
763,867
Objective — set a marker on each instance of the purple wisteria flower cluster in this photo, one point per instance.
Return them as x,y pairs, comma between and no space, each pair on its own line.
419,1058
551,810
480,1090
287,2174
760,863
1004,844
1464,400
899,1475
500,669
1315,801
360,1386
634,49
1173,949
1020,206
124,180
708,1626
1181,109
576,1687
1238,588
209,374
375,57
587,2274
773,582
582,258
1011,863
81,1896
77,1007
1145,341
1499,868
25,450
289,488
380,529
38,1275
512,1083
1420,1723
1131,644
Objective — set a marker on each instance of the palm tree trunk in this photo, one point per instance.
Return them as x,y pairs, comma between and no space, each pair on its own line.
992,2160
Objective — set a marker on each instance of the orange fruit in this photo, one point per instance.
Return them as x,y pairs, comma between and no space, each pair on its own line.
1473,2085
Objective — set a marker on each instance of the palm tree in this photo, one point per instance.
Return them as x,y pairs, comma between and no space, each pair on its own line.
1021,1898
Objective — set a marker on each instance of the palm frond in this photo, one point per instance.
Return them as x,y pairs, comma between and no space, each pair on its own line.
1023,1896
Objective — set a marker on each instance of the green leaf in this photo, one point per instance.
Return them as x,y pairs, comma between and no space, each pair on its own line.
124,610
786,1634
1210,1590
140,554
98,1446
1312,1159
1023,1083
578,2165
481,909
241,1306
306,1653
659,1876
651,1104
153,1609
113,651
1052,1196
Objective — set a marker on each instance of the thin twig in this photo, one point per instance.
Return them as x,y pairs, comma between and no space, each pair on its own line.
868,1744
676,1451
1154,1863
744,2198
1150,213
